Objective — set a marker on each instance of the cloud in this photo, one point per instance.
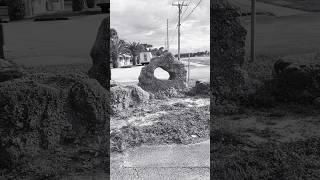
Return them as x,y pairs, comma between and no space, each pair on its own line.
145,21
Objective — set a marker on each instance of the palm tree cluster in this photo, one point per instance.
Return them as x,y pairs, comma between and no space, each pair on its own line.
119,46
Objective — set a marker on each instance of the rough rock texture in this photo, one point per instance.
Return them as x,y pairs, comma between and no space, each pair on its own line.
296,80
100,69
176,70
9,70
200,88
42,113
123,97
316,102
227,52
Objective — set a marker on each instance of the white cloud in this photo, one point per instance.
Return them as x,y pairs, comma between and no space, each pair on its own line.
145,21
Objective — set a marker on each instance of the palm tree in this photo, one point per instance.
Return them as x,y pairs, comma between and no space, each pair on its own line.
135,49
118,46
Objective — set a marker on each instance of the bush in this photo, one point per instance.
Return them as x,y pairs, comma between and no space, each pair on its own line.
3,3
16,9
90,3
77,5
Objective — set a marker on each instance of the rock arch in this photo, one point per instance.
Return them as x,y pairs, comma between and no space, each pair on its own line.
175,68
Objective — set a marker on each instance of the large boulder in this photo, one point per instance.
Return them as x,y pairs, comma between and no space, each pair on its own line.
201,88
227,51
44,113
100,69
124,97
296,79
9,70
175,68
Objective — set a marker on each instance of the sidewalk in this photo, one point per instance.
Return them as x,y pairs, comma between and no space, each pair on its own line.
165,162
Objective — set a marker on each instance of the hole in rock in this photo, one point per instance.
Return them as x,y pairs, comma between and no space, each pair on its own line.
159,73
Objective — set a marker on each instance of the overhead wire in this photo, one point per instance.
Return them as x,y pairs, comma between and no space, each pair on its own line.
193,10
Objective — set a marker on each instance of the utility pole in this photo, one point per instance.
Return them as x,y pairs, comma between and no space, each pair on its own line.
189,68
180,6
1,40
168,35
253,25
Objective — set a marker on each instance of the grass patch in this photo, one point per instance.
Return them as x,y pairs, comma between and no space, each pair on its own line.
175,127
231,159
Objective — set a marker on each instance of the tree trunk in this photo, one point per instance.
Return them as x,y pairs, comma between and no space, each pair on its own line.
115,63
134,62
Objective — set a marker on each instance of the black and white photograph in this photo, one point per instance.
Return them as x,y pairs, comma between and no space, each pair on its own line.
265,89
160,89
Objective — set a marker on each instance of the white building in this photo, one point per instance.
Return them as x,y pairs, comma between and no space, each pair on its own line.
145,58
124,60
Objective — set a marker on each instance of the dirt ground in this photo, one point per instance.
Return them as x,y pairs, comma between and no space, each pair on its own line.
281,124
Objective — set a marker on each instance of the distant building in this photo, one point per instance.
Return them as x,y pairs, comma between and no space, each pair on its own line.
145,58
124,60
36,7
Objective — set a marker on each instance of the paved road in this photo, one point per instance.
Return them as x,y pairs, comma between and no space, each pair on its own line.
289,31
297,34
245,5
197,72
72,38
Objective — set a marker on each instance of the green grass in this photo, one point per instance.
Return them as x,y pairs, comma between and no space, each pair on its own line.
305,5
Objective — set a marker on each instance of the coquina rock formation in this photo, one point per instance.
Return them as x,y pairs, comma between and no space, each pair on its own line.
100,69
56,123
175,68
124,97
43,113
227,52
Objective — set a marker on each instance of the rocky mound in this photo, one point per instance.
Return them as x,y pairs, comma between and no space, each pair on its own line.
227,39
176,70
44,115
296,80
124,97
100,69
228,47
200,88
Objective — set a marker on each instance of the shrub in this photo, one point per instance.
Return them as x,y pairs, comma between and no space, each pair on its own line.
16,9
90,3
77,5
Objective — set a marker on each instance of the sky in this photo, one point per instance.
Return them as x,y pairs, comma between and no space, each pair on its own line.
145,21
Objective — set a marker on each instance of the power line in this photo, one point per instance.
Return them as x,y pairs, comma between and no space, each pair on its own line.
193,10
190,1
